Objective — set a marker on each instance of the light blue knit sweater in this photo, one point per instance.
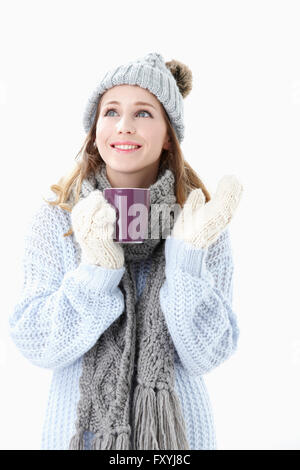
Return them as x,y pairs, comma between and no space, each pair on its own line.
64,307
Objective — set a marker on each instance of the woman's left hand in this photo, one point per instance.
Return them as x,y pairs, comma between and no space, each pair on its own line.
201,223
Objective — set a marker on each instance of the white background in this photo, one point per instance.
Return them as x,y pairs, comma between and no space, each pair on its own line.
242,117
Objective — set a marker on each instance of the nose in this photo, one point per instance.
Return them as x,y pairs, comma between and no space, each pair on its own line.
125,125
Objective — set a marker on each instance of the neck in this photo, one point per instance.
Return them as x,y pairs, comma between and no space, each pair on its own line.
138,179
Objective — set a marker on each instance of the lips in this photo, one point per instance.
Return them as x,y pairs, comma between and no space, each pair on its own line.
127,150
119,143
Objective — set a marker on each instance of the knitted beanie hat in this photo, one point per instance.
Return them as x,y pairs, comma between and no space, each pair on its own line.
170,82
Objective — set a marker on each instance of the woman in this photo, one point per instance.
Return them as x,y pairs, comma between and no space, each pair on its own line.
129,330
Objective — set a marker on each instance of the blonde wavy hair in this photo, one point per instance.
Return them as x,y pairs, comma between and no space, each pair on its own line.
186,179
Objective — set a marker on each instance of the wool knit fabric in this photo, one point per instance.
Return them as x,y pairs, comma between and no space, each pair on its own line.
149,72
128,398
56,319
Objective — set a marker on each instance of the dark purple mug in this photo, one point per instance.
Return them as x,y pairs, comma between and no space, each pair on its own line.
132,207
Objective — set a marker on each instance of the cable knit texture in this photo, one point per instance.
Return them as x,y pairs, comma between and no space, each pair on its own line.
56,319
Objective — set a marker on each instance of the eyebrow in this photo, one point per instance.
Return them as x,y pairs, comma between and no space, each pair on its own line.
137,103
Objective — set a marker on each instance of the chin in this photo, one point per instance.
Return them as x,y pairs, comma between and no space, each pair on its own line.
125,164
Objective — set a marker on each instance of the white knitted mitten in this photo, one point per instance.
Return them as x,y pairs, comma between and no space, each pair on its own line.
93,220
201,224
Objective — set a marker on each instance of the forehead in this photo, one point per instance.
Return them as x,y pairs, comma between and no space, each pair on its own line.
129,93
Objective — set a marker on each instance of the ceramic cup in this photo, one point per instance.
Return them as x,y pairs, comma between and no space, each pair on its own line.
132,207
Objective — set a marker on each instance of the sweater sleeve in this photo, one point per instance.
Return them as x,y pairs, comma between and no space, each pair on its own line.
196,299
61,312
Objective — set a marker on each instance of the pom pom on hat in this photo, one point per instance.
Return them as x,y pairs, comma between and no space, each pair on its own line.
182,74
169,81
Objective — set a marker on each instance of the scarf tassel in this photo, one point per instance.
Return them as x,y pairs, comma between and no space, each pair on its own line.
171,421
100,442
145,418
111,441
159,424
77,441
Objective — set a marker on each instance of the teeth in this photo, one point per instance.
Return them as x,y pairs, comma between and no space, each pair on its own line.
125,147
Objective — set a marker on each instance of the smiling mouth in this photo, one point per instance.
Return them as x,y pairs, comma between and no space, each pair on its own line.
125,150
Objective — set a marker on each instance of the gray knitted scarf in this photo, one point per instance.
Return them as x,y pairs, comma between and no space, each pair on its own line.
127,395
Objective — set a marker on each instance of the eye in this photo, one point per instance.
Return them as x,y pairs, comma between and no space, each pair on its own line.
105,114
144,111
138,112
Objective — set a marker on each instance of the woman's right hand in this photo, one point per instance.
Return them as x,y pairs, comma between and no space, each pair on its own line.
93,222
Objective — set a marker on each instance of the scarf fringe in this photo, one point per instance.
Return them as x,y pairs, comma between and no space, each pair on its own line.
101,442
123,441
112,441
77,441
179,425
158,420
109,441
158,425
145,418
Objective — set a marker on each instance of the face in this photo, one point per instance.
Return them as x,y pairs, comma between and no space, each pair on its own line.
127,121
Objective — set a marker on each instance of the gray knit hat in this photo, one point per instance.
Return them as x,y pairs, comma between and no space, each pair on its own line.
170,82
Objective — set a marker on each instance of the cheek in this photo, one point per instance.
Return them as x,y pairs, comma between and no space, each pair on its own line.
103,125
155,130
155,137
103,132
